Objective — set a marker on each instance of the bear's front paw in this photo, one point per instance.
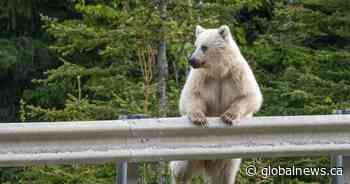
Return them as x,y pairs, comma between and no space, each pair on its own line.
230,118
198,118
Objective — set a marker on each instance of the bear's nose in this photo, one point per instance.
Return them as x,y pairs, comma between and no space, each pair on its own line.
193,62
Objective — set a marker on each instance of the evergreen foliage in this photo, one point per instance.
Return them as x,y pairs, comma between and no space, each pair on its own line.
95,59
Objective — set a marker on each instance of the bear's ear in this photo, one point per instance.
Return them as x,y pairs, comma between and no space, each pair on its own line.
224,31
199,30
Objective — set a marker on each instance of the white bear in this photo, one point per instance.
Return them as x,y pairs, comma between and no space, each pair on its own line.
220,83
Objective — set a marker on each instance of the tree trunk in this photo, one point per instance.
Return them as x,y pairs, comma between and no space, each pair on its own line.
162,64
200,6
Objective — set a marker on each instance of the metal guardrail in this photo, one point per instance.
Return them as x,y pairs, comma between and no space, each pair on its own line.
127,173
342,161
171,139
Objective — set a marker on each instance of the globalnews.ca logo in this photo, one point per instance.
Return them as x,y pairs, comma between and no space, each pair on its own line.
251,170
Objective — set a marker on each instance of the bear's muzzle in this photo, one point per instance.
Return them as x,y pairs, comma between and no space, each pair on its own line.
193,62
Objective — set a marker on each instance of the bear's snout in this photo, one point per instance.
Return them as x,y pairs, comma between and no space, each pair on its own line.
193,62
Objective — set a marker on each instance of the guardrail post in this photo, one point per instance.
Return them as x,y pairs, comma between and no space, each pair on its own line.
346,167
122,170
341,161
122,166
123,177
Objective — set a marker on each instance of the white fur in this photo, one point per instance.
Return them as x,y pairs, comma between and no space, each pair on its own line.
223,85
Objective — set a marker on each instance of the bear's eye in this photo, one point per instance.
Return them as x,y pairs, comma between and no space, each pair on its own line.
204,48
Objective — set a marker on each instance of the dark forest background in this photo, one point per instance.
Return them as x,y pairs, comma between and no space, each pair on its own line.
63,60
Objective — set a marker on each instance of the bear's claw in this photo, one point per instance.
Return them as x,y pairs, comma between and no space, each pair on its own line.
229,118
198,119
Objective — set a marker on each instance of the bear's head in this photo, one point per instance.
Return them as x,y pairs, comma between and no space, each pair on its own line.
215,50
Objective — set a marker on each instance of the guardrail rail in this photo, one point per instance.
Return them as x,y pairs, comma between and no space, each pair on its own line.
171,139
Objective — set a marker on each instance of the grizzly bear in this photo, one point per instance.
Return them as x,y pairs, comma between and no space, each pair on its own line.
220,83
